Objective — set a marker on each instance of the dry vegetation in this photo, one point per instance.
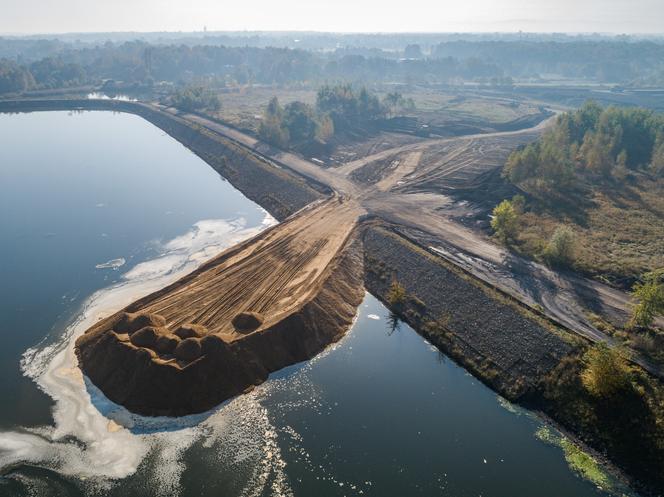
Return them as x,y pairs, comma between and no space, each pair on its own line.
244,106
619,234
434,105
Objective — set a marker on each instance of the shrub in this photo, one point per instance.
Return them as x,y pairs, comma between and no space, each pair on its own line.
504,222
396,295
650,296
560,248
606,373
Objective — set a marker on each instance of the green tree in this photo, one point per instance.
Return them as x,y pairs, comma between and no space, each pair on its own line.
300,120
325,129
606,373
560,248
272,129
395,103
505,221
649,297
196,98
14,78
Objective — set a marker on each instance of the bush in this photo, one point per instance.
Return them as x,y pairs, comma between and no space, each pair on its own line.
505,221
560,249
606,373
195,98
650,296
396,296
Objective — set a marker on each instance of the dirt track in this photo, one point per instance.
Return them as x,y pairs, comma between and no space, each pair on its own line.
272,274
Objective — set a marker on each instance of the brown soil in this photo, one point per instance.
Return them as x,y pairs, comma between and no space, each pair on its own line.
276,299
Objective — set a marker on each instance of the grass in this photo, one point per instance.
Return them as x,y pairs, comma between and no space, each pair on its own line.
619,234
451,106
243,106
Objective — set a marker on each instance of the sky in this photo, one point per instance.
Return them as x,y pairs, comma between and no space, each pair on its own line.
577,16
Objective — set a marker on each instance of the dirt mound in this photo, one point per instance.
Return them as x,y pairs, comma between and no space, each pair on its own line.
147,337
212,369
190,330
131,322
166,344
189,349
247,321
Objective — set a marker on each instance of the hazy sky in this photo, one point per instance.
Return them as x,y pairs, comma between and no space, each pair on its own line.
56,16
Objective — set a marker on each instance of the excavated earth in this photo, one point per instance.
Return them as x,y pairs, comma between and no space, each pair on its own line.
272,301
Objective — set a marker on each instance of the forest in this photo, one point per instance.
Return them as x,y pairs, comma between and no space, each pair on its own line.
52,63
592,144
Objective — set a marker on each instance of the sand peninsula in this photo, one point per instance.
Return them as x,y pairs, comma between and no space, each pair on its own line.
274,300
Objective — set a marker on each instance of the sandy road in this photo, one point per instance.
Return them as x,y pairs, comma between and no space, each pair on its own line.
351,166
271,274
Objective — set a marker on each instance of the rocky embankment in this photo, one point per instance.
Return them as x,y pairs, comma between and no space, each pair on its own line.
503,345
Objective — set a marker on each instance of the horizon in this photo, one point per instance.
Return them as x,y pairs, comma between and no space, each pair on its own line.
209,32
640,17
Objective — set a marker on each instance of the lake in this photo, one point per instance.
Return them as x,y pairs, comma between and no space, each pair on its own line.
99,209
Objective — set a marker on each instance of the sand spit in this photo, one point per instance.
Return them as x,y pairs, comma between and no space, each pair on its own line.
272,301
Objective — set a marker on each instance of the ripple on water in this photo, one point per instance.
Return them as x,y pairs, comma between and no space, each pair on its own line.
100,443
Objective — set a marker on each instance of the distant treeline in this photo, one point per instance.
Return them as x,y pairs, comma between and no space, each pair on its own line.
50,64
604,61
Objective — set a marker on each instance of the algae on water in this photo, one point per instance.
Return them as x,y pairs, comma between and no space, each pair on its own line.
582,463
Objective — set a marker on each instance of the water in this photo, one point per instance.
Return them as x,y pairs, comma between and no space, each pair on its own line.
100,208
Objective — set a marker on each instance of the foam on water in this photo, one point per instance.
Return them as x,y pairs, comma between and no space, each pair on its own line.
96,441
112,264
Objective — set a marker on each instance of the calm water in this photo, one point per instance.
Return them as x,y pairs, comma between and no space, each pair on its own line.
100,208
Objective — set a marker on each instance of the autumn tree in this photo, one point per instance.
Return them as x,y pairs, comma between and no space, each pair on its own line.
504,221
649,297
606,372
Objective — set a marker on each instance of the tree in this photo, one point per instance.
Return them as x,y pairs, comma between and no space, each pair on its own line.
606,373
272,129
588,145
413,51
300,120
325,129
504,221
348,107
395,103
649,294
14,78
196,98
657,160
560,249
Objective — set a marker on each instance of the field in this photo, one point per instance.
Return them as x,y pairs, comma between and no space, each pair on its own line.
619,233
244,106
437,106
